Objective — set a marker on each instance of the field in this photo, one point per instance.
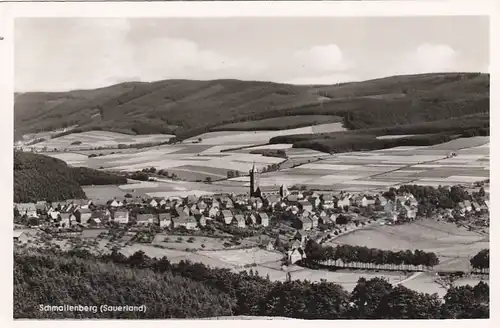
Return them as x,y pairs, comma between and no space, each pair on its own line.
453,245
181,242
280,123
353,171
260,137
95,139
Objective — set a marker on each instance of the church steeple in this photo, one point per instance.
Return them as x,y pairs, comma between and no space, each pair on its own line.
254,182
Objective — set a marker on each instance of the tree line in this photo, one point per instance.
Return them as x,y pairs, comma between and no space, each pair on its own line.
350,253
193,290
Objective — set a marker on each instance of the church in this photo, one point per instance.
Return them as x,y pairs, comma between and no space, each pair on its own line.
254,183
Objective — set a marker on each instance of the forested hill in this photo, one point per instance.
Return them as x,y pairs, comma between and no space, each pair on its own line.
187,108
38,177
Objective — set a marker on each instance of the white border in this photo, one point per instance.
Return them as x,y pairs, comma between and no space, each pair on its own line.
9,11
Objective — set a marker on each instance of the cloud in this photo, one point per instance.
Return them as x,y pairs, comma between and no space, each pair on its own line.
322,58
428,58
159,58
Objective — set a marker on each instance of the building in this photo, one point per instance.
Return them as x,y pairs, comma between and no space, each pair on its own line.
304,223
28,209
226,216
255,182
121,217
189,222
284,192
240,220
146,219
20,236
263,219
164,220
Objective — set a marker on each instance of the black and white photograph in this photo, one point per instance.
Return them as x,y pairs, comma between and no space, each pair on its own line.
328,167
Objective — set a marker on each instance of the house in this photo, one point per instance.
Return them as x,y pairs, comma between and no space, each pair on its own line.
380,200
146,219
28,209
65,221
164,220
360,201
270,246
292,198
252,219
323,218
226,216
343,201
476,207
315,220
94,222
306,205
487,204
213,212
240,220
263,219
83,214
304,223
121,217
295,255
327,201
202,206
20,236
189,222
102,215
54,216
180,212
153,203
370,200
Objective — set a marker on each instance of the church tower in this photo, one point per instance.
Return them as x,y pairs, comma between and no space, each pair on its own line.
254,182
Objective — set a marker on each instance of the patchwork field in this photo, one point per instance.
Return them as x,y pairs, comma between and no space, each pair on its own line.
94,139
355,171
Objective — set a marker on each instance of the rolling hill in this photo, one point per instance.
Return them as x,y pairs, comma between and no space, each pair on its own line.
187,108
38,177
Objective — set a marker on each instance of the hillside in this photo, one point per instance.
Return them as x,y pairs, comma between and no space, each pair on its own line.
38,177
193,290
187,108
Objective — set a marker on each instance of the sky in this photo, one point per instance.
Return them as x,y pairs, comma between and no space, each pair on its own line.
60,54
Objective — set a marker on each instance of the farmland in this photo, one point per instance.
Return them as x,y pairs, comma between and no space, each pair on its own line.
96,139
453,245
280,123
351,171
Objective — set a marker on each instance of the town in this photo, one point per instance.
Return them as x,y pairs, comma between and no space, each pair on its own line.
282,215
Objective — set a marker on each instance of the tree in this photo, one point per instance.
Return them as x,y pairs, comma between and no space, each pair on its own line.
230,174
208,180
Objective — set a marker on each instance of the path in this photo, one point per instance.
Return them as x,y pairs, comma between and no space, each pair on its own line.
413,276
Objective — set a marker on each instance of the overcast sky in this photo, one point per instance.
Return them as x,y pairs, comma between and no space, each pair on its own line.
58,54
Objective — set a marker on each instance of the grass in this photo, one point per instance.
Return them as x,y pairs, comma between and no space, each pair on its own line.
279,123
